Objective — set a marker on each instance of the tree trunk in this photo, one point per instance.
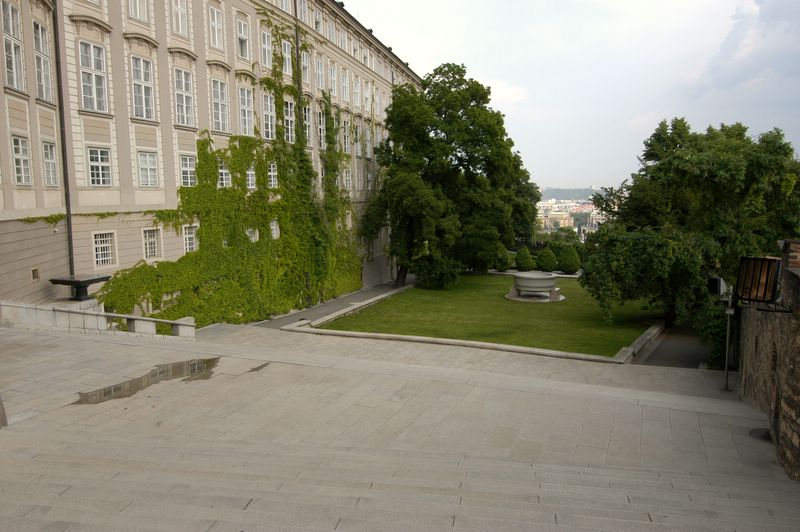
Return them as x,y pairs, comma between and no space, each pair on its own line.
400,280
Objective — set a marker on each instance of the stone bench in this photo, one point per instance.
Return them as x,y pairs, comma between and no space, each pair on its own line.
80,284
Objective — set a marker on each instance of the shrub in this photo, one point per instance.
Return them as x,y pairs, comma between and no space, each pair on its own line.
503,260
568,260
525,261
546,260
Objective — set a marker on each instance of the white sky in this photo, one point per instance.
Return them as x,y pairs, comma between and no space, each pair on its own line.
583,82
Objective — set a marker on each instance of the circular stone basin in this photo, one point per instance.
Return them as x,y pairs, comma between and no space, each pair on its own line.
535,286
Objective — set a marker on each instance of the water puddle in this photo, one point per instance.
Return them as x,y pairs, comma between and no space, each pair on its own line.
3,418
188,370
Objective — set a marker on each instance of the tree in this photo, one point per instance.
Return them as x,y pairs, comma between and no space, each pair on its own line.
525,262
456,148
698,203
568,260
546,260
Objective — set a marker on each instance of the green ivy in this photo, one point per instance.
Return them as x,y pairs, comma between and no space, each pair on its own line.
52,219
230,279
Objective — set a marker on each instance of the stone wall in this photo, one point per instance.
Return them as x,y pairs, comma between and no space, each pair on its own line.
770,368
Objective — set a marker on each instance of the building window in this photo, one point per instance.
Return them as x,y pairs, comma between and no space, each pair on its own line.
180,17
104,253
275,230
269,117
287,57
93,77
288,121
219,105
266,49
215,28
321,128
332,79
346,136
50,164
188,172
368,141
22,160
148,169
303,11
367,96
320,73
357,139
318,21
184,98
285,5
142,70
41,46
252,234
100,167
138,9
189,238
345,85
307,123
357,91
243,39
224,178
246,119
12,45
152,243
305,59
348,179
251,178
272,175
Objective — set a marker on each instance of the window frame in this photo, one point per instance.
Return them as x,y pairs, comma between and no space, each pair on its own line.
266,48
270,117
96,52
180,17
286,48
153,246
111,244
272,175
289,121
41,52
49,164
21,155
246,111
220,106
12,47
190,236
184,97
147,171
103,167
143,88
224,178
242,38
138,10
216,28
187,166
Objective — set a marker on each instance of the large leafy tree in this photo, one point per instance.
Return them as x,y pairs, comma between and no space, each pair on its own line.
698,203
454,192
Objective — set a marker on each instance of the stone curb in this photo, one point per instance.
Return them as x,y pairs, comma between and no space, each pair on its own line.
624,356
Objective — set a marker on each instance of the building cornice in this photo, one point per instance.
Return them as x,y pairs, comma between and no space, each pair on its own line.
91,20
136,36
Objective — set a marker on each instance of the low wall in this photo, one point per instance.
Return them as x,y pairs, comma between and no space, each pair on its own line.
770,362
87,317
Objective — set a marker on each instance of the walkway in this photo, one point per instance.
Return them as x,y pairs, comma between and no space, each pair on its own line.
307,433
328,307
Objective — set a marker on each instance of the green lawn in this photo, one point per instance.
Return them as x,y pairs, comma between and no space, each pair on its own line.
475,309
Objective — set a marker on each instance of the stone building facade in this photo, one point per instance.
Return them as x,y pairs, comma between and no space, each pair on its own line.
770,361
140,80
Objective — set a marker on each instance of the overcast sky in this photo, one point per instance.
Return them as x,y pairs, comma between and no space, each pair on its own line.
583,82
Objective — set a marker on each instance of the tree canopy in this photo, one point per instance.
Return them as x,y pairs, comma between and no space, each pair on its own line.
453,190
698,203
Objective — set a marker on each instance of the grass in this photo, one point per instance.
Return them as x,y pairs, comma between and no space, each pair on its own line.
475,309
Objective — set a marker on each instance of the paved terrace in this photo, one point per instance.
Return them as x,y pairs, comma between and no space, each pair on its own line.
352,434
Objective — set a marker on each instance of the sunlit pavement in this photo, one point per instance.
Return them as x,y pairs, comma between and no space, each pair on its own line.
303,432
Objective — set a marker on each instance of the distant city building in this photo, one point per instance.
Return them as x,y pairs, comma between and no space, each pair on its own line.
140,80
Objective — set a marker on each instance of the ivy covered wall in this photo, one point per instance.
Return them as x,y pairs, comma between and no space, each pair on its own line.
231,278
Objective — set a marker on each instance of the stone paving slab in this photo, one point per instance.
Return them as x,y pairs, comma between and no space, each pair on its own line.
352,434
